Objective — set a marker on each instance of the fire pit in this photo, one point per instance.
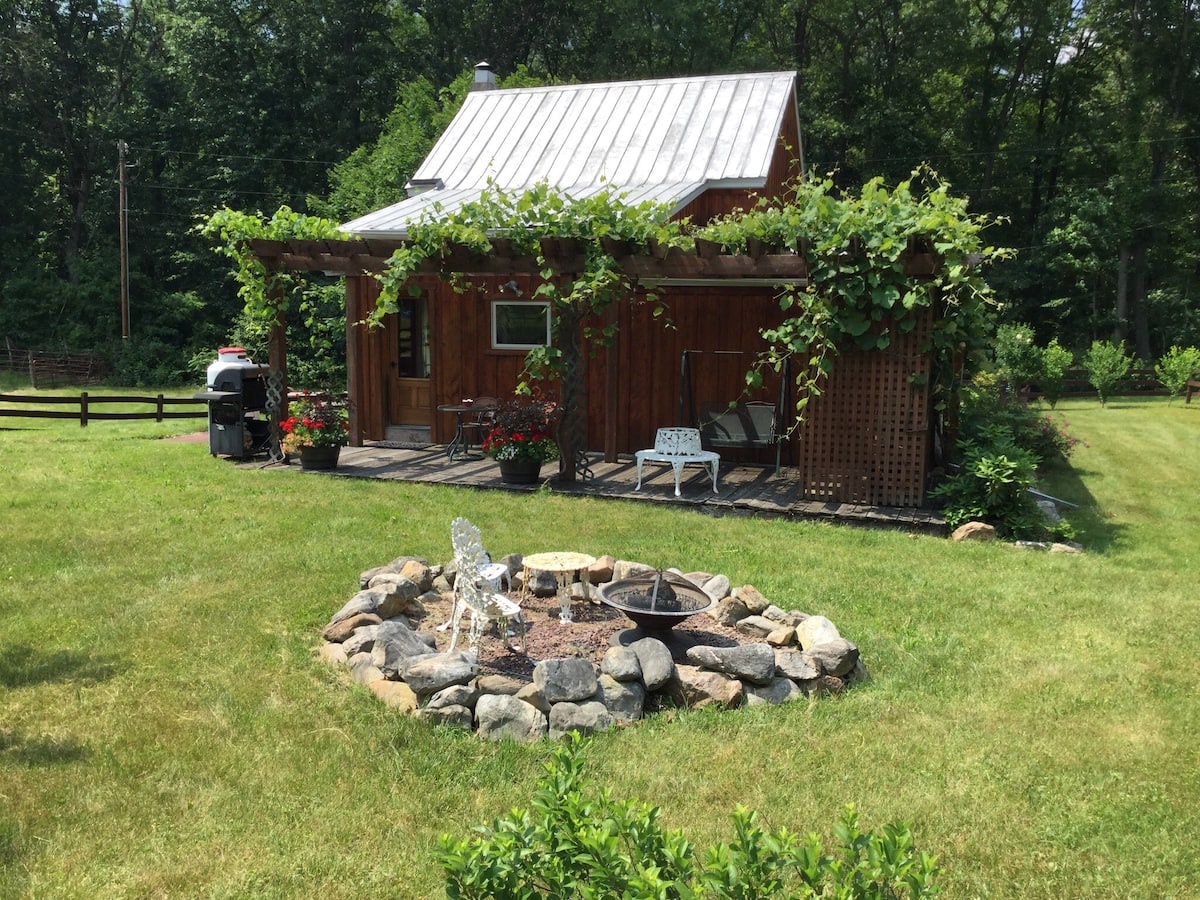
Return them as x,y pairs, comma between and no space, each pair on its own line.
655,604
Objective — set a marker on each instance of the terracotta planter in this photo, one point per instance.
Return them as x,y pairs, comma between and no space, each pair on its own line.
319,458
520,471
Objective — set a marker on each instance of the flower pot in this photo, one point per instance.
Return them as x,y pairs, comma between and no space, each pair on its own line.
520,471
319,458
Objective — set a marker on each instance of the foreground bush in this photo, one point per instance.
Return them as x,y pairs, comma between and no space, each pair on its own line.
574,845
1176,368
1107,364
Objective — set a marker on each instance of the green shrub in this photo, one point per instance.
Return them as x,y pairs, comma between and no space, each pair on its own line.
1056,359
1176,368
992,485
575,845
1017,356
1107,364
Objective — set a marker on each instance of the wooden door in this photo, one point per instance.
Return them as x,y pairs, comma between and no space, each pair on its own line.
410,390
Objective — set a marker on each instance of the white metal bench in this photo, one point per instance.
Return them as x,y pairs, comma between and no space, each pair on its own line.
678,446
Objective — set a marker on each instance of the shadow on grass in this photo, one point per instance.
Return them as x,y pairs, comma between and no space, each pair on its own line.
1066,482
13,882
39,751
23,666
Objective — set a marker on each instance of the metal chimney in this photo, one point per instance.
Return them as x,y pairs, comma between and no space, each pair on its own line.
485,78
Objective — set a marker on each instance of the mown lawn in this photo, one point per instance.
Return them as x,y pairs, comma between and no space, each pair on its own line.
166,732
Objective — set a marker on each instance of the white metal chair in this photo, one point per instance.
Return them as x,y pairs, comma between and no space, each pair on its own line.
678,446
476,588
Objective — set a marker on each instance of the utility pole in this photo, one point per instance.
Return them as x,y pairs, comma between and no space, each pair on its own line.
123,225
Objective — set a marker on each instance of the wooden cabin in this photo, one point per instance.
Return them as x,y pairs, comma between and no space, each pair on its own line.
705,145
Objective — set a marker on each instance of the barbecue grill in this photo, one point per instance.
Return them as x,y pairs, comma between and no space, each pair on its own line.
237,402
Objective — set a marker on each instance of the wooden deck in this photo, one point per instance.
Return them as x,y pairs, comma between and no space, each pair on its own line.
744,489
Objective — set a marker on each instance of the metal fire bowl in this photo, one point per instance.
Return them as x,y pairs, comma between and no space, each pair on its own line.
632,596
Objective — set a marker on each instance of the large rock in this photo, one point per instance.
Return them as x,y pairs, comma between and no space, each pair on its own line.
695,687
501,717
783,636
974,531
816,630
396,695
334,654
717,588
601,571
625,700
622,664
395,644
499,684
836,657
623,569
729,611
750,662
567,679
655,659
394,566
752,599
455,695
362,670
534,696
387,600
361,641
780,690
449,716
796,665
756,626
339,631
585,718
432,675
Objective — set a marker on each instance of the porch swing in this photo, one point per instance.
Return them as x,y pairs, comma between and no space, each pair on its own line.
743,424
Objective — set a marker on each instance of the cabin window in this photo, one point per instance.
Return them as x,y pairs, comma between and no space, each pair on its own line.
520,326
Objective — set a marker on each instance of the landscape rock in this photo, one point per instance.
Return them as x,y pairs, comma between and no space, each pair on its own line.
601,571
717,588
837,657
783,636
394,566
656,662
339,631
780,690
796,665
750,662
625,700
332,653
1066,547
432,675
752,599
448,716
623,569
396,643
694,687
455,695
395,694
416,571
362,670
816,630
974,531
385,601
567,679
622,664
501,717
499,684
729,611
534,696
756,626
585,718
361,641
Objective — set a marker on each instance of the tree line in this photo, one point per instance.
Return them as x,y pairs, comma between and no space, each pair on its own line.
1074,121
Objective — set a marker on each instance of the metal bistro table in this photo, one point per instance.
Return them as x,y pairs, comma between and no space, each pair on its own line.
564,565
458,446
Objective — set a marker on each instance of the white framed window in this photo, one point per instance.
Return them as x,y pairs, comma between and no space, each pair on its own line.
520,325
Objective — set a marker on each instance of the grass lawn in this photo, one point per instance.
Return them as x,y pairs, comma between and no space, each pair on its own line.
165,730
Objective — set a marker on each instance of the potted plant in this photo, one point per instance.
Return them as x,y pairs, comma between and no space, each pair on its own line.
316,429
521,438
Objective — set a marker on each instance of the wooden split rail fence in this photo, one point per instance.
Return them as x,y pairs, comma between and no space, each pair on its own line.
85,407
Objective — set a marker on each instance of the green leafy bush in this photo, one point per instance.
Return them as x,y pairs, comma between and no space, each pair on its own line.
1056,359
1107,364
1018,358
1176,368
578,845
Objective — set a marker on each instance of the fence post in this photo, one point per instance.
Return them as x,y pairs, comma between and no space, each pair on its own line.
159,416
83,409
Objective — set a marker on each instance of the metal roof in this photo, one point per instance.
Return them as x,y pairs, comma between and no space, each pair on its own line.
666,140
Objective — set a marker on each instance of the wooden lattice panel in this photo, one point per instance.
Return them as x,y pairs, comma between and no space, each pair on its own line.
866,438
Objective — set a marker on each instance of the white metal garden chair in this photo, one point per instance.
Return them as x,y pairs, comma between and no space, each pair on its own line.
476,587
678,446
